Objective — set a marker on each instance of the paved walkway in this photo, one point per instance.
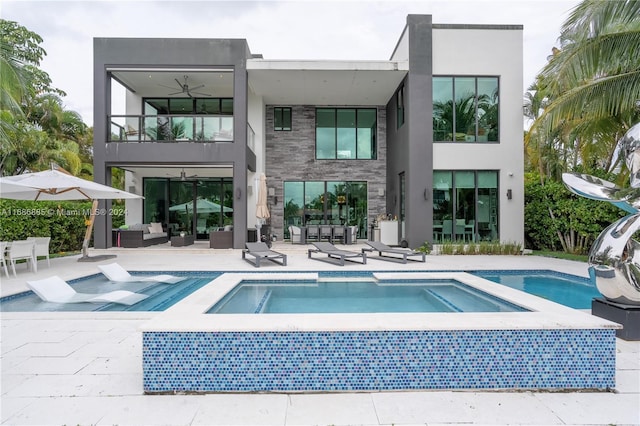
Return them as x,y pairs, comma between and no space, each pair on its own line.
81,368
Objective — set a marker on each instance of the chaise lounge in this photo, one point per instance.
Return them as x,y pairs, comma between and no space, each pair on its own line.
399,255
116,273
334,253
261,251
56,290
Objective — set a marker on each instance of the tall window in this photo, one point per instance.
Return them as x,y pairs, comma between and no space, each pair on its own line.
325,202
346,133
400,106
465,109
282,118
465,205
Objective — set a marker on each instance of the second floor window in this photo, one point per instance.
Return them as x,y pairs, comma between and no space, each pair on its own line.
346,133
465,109
400,106
282,118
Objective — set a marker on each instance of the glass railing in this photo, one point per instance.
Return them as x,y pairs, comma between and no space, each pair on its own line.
170,128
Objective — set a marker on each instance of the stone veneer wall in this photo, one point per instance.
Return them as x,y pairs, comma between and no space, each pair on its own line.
290,156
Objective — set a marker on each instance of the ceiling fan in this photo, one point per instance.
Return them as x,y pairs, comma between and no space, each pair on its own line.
183,88
183,176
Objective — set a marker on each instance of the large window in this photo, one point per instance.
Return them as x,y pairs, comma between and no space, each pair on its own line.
192,206
325,202
465,205
465,109
346,133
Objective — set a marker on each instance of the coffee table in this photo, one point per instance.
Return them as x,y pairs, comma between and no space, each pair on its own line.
179,241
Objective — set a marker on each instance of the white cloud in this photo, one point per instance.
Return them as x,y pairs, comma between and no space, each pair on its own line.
278,30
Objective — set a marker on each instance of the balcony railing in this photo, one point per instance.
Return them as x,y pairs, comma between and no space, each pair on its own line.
170,128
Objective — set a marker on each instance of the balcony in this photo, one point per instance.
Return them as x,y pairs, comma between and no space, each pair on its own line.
170,128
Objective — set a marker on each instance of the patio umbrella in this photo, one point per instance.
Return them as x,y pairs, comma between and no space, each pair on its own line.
57,184
262,211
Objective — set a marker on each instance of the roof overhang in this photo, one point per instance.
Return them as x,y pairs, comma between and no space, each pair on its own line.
325,82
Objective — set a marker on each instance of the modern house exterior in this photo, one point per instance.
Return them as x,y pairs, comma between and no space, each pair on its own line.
431,138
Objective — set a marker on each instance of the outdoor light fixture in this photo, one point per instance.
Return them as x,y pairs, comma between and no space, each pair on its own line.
426,194
509,194
238,193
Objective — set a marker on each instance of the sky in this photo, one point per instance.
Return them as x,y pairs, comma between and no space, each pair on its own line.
339,30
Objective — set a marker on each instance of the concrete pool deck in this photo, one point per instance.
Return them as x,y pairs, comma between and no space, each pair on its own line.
86,368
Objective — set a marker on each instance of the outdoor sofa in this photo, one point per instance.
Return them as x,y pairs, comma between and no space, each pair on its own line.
141,235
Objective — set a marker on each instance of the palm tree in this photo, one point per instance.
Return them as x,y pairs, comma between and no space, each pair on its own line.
596,73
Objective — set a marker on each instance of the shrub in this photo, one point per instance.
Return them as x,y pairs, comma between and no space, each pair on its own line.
63,221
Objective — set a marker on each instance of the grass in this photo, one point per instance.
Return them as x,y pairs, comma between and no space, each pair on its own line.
561,255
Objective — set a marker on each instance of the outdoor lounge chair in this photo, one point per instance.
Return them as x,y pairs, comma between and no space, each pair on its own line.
262,251
118,274
335,253
398,255
55,289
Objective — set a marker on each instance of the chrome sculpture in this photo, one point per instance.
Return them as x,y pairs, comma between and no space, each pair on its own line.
614,259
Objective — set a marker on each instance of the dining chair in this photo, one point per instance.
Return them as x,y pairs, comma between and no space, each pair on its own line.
460,229
325,233
313,233
42,247
22,250
447,229
295,233
337,232
3,259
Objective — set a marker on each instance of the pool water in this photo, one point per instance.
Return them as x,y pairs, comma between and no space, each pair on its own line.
358,297
569,290
161,295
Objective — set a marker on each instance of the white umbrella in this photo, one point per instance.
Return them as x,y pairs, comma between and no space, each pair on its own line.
202,206
59,185
262,211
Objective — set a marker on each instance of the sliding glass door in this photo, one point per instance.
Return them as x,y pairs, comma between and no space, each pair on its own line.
195,207
325,202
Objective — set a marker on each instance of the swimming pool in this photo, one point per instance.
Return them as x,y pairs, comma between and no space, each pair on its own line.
358,296
569,290
550,346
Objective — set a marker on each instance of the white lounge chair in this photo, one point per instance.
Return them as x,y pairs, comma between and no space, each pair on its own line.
118,274
55,289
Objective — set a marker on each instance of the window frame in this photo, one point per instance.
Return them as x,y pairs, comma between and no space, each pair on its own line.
357,110
477,118
400,107
282,111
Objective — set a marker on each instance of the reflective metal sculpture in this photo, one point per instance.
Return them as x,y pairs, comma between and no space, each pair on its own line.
614,259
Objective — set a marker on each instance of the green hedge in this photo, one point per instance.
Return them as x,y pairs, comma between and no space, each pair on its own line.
577,219
63,221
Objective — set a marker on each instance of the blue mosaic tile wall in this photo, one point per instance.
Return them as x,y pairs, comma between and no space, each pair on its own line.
378,360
